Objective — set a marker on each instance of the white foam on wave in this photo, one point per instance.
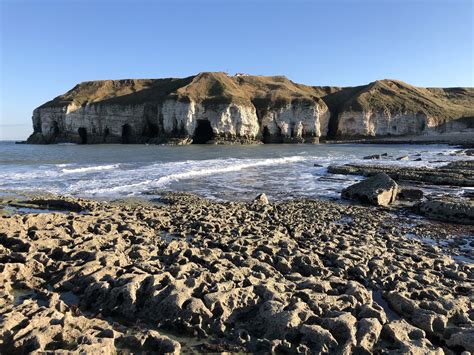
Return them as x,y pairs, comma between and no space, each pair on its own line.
177,171
219,176
88,169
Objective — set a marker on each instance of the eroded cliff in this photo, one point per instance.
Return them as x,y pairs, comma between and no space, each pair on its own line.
215,107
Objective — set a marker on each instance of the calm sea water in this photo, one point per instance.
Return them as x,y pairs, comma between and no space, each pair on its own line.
219,172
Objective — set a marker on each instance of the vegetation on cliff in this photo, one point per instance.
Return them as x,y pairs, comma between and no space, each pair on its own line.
271,91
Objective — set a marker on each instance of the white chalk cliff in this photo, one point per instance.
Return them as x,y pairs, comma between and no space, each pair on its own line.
215,107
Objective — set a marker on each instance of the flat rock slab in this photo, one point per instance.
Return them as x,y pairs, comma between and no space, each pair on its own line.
378,190
455,174
448,210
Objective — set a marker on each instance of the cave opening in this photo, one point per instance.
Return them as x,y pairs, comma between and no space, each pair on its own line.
106,134
126,133
55,128
266,135
333,122
82,135
203,132
269,138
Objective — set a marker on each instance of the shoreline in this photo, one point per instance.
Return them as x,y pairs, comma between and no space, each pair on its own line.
301,275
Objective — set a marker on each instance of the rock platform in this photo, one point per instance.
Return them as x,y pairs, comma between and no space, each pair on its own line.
302,276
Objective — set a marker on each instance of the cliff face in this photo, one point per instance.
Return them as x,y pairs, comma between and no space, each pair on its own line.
214,107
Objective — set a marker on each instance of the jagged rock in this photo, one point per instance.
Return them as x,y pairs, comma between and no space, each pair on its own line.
321,340
379,190
342,327
408,339
161,344
372,311
368,332
290,279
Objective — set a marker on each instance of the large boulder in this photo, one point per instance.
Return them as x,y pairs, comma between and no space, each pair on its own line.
379,190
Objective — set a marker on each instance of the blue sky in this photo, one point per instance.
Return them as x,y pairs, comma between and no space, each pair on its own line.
48,46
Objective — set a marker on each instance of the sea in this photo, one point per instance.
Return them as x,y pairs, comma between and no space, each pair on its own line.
220,172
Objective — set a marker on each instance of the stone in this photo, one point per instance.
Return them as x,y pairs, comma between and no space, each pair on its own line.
463,339
410,194
262,199
371,157
321,340
342,327
368,332
404,157
407,338
379,190
161,344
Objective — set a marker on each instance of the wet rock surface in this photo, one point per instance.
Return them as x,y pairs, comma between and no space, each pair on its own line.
460,173
302,276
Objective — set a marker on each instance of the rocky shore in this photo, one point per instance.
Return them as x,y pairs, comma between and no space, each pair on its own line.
188,274
460,173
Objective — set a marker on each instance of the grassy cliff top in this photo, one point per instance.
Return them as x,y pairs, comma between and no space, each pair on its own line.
270,91
397,96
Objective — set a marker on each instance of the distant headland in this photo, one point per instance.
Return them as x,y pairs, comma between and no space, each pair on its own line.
213,107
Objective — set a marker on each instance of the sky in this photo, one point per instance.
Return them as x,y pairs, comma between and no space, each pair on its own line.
48,46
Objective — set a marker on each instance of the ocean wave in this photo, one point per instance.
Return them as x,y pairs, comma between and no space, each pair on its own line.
90,168
176,171
232,166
